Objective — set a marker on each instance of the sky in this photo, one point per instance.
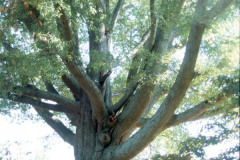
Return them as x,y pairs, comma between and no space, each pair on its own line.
31,140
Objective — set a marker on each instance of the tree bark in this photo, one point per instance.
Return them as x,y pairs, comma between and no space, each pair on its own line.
101,127
85,138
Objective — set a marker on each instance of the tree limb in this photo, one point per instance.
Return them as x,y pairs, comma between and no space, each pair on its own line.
116,11
134,69
76,52
201,110
34,92
107,5
66,134
50,87
186,73
73,86
132,112
156,124
197,110
104,77
39,104
217,9
117,93
136,57
173,35
116,107
140,100
172,19
108,95
72,117
157,94
91,89
145,37
141,122
207,114
153,25
79,74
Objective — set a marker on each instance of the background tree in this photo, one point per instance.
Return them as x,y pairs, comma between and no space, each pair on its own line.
45,63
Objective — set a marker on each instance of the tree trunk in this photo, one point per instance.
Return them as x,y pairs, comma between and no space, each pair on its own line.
90,138
86,145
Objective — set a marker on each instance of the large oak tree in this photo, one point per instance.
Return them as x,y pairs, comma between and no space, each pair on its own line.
67,57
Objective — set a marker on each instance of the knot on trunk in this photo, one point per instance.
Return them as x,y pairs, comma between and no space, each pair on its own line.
104,138
112,120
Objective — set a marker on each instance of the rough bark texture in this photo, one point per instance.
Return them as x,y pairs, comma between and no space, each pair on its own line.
102,128
85,139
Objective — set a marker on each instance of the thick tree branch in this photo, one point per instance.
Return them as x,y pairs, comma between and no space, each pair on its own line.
173,18
145,37
134,68
100,4
173,35
154,66
73,86
132,112
203,110
138,103
136,56
114,16
63,24
137,59
50,87
107,5
157,94
141,122
34,92
153,25
140,100
91,89
117,93
74,16
72,117
39,104
66,134
104,77
79,74
208,114
197,110
156,124
217,9
204,115
186,73
116,107
108,95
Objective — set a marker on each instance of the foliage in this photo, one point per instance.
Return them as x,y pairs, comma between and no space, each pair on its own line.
170,157
62,56
195,145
